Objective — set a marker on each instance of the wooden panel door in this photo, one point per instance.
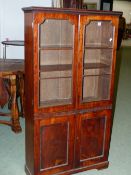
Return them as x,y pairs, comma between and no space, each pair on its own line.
54,144
93,138
97,54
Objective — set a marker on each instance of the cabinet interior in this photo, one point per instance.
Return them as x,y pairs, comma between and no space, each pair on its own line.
97,60
56,53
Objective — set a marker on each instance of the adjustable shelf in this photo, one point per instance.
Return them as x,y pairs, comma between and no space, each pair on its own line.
97,46
56,47
65,67
55,102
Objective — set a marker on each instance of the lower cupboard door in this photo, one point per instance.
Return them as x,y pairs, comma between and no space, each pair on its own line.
54,146
93,138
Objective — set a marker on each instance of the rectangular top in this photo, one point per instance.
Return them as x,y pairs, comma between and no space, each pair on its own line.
70,11
11,66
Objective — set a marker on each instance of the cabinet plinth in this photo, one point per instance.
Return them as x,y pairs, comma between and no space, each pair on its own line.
70,60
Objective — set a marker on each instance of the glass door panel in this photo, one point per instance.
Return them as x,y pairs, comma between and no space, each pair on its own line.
97,61
99,33
55,59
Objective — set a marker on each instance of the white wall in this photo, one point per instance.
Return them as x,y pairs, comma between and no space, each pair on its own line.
12,23
1,7
125,7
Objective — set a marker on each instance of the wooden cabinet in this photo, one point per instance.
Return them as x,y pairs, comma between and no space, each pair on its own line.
70,60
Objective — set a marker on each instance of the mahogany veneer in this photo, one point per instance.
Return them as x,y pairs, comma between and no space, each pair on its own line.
70,60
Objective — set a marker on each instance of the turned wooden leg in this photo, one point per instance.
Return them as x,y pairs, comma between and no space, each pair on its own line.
21,91
14,107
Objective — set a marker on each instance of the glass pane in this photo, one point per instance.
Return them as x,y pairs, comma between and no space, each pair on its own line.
97,58
56,32
55,58
99,33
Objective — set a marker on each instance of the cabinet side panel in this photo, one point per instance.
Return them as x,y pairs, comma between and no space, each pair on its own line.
29,124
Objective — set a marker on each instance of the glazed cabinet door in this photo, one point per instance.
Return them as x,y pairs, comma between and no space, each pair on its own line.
97,60
54,144
93,138
55,83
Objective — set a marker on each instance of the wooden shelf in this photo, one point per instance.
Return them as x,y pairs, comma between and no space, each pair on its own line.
55,47
65,67
56,102
88,99
70,47
56,67
60,77
95,65
96,75
97,46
